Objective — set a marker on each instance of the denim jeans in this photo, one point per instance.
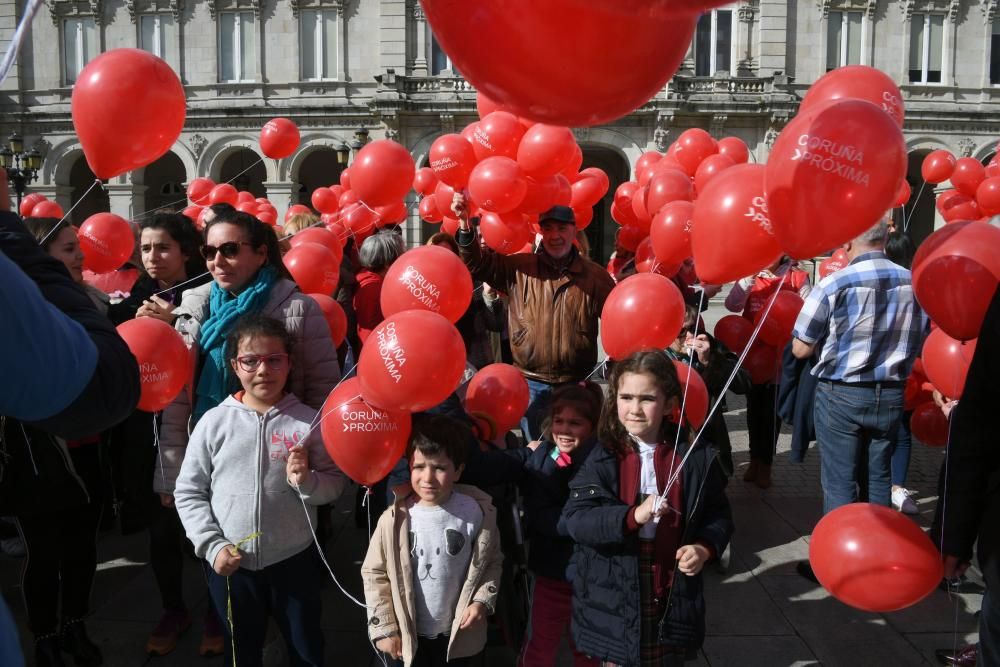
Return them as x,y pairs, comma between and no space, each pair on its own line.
901,452
539,398
854,422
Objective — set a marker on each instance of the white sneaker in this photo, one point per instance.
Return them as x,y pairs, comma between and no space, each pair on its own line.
902,501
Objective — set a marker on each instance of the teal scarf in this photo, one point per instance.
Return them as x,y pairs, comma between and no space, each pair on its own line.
224,310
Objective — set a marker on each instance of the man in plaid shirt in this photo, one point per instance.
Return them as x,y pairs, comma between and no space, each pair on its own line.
865,327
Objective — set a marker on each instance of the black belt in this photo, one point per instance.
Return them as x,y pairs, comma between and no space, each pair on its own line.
887,384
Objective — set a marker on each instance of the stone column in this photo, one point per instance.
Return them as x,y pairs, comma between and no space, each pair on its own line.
123,199
420,32
280,194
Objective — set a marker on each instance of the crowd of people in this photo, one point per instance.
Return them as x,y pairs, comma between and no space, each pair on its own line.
618,504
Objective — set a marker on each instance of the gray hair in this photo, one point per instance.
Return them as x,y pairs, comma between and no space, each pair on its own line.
380,250
877,235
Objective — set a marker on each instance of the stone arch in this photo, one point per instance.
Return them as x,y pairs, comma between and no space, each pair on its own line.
926,143
986,151
610,139
217,152
59,162
188,159
288,168
423,146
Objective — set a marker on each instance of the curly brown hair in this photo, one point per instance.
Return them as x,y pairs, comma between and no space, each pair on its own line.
660,367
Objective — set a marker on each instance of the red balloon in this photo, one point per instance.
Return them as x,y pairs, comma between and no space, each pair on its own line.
413,360
956,271
451,158
223,193
199,189
670,232
551,68
734,331
500,392
192,212
734,149
624,215
429,211
47,209
347,198
541,195
564,191
429,278
248,207
244,197
938,166
830,265
165,365
903,195
574,163
858,82
106,241
709,169
297,209
988,196
497,135
546,150
360,220
128,110
29,202
505,233
692,147
314,268
382,172
279,138
624,193
696,400
929,425
324,201
345,180
854,154
969,173
443,196
425,180
946,362
732,207
391,214
874,558
958,206
777,328
666,186
643,218
644,166
583,216
945,198
763,363
629,237
334,315
993,168
589,188
323,237
364,441
498,184
485,106
449,225
647,297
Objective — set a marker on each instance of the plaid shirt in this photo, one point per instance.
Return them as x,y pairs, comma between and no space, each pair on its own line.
865,322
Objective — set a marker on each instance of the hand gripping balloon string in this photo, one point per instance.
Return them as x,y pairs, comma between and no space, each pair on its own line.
93,185
10,57
234,550
906,218
725,388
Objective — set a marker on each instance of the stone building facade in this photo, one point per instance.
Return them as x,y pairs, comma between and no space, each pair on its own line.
334,66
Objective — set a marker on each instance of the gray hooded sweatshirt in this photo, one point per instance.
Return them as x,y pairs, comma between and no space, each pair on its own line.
232,483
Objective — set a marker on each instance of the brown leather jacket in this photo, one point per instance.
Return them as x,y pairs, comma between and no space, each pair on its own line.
553,309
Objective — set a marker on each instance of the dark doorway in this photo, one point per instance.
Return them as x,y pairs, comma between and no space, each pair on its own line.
165,182
601,232
917,216
319,169
246,171
95,201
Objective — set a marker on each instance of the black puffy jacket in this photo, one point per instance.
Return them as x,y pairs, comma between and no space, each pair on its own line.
605,566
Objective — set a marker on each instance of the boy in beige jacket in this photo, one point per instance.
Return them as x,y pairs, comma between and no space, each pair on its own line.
432,571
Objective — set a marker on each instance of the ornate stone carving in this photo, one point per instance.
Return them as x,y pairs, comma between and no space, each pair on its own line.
448,123
717,127
43,146
953,7
138,7
215,6
60,9
299,5
989,8
198,144
770,137
418,12
747,11
908,9
824,8
660,139
966,147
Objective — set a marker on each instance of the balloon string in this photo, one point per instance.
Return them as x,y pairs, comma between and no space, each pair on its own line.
906,218
229,594
15,43
687,381
184,201
93,185
725,388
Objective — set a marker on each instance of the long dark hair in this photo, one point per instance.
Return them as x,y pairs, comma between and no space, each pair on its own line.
182,230
258,234
45,228
656,364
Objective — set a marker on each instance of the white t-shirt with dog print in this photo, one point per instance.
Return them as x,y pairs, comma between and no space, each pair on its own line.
441,539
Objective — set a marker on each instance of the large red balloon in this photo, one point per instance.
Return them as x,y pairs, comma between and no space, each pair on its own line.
444,194
425,180
670,232
733,208
969,173
106,241
956,271
413,360
128,110
929,425
545,150
498,184
199,189
323,237
648,298
428,278
666,186
988,196
451,158
334,315
550,67
364,441
903,195
505,233
324,201
734,149
644,166
497,135
382,172
224,193
874,558
709,169
938,166
588,189
500,392
629,237
696,401
429,211
852,153
692,147
956,206
297,209
858,82
279,138
734,332
541,194
360,220
777,328
29,202
946,362
314,267
46,209
165,365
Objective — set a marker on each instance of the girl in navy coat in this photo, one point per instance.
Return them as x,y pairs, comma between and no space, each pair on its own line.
637,590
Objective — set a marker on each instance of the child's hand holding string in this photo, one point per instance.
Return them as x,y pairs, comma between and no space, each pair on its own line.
227,561
297,468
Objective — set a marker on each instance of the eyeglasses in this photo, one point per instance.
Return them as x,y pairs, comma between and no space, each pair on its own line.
228,250
251,362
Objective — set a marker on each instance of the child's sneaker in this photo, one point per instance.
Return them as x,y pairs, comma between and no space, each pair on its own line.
213,640
163,639
902,501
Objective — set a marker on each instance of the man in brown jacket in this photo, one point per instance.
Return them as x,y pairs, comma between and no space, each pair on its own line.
555,299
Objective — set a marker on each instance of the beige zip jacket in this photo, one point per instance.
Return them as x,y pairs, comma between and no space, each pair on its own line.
388,579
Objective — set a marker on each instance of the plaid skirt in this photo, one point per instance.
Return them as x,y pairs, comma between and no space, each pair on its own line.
651,610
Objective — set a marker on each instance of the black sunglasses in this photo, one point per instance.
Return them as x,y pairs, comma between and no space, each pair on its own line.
228,250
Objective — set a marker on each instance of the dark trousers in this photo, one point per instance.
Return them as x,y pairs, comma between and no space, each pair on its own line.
167,546
989,630
434,652
59,568
288,591
763,423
